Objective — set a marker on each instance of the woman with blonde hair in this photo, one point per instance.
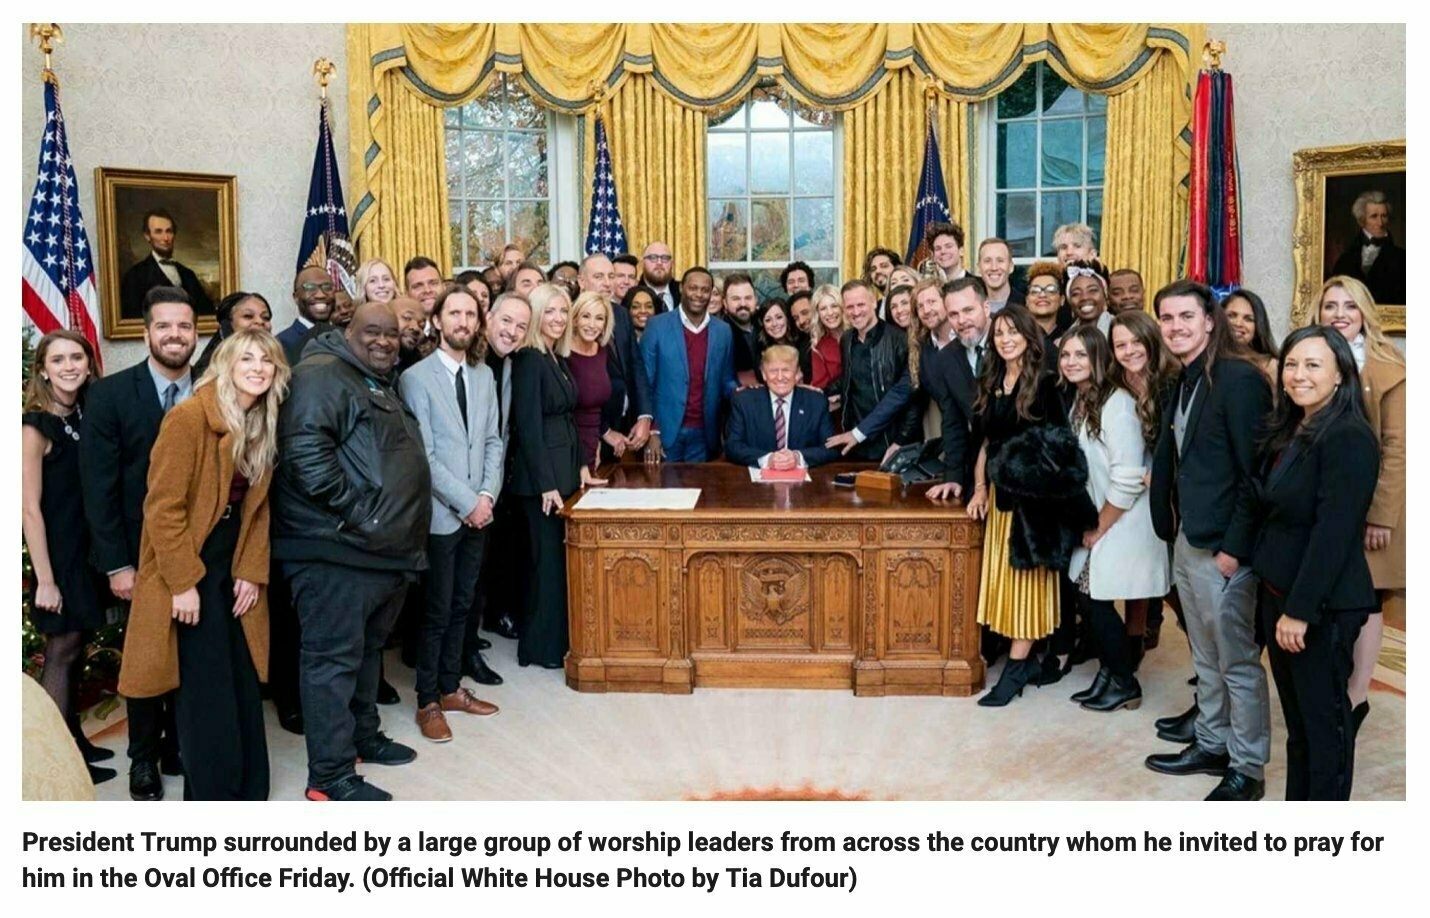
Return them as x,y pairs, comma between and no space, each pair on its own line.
600,383
199,618
69,597
830,323
1347,306
375,282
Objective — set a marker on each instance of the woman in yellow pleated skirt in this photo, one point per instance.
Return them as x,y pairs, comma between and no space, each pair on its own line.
1020,605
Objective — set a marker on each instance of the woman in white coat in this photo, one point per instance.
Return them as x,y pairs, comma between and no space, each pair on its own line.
1122,558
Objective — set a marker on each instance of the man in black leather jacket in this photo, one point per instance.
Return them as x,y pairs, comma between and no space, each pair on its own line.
876,359
352,503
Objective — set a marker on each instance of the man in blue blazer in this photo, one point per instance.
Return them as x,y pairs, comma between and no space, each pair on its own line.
690,365
313,295
781,426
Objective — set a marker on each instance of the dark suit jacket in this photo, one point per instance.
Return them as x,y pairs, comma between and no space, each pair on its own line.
295,337
1208,485
145,275
635,385
122,417
752,427
660,303
1312,508
546,451
1386,277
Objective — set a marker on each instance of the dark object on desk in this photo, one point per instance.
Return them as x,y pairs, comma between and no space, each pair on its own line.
845,479
917,462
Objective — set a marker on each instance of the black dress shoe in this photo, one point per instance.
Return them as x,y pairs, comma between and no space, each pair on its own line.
1194,760
1099,685
553,665
144,782
1118,694
1237,786
505,627
478,670
292,721
483,644
1180,729
386,694
170,764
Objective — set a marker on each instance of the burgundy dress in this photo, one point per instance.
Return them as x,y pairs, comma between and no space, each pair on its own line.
593,390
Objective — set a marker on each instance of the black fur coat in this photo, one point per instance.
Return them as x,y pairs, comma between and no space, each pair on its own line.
1042,472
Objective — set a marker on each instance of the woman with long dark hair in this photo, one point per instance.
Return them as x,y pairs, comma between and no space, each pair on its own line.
199,619
1348,307
899,306
1122,559
68,596
774,324
1018,598
1251,327
1319,462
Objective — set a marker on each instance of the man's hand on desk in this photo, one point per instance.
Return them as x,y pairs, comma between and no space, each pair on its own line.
783,460
949,490
843,442
653,452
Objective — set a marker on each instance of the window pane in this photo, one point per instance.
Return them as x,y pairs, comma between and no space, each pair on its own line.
725,164
453,140
1017,216
1062,153
486,231
1094,213
1059,207
1096,150
454,232
1017,155
530,229
1096,102
1017,101
769,230
814,163
451,117
522,111
484,111
826,276
769,163
814,229
766,114
526,165
767,283
1058,97
729,226
482,166
735,121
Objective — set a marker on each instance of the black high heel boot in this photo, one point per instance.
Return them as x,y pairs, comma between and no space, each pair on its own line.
98,774
90,751
1099,685
1046,672
1120,693
1015,676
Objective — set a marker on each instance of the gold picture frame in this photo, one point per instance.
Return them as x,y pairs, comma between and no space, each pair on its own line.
1327,181
203,209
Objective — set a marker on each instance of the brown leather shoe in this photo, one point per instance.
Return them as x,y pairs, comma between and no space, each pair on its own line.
433,724
463,700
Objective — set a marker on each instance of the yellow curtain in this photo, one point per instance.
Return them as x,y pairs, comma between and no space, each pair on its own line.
658,155
883,156
1144,219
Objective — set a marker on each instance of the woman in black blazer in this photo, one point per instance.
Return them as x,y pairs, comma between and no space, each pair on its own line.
1318,467
546,470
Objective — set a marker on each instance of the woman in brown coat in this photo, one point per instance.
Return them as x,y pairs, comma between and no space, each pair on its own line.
199,618
1347,306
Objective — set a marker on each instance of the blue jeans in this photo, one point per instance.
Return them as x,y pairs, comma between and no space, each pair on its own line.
688,446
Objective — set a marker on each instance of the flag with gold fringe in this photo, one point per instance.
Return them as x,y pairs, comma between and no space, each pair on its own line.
1214,201
325,223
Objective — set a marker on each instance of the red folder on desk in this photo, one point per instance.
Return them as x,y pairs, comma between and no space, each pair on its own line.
782,474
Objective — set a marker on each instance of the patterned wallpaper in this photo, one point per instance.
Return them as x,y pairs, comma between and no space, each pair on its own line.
231,99
1303,86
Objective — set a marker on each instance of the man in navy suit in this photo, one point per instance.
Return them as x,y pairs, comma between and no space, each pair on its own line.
160,269
780,426
689,364
313,293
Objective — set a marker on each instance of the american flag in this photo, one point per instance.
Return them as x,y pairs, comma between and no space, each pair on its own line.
930,201
325,242
57,268
605,233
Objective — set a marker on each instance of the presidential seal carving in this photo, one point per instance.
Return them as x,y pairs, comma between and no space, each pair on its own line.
773,590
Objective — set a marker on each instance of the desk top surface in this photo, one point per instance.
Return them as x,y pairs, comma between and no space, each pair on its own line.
726,488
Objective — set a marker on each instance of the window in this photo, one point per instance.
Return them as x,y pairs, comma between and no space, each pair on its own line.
1046,160
772,180
508,165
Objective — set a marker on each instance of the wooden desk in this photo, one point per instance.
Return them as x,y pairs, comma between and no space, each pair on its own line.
773,585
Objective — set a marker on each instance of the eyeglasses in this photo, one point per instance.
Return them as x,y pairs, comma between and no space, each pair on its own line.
311,287
666,259
1043,290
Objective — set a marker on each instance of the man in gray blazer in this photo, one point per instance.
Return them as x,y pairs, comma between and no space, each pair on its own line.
454,397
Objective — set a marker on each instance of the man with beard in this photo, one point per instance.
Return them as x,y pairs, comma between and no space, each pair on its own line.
313,293
351,512
1124,291
453,397
1087,294
597,274
687,357
879,263
411,319
739,314
123,414
623,276
995,266
160,269
500,590
659,268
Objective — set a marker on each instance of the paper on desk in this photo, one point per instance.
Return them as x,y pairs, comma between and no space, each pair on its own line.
639,499
757,475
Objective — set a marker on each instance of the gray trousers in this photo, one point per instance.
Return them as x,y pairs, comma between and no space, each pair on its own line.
1233,708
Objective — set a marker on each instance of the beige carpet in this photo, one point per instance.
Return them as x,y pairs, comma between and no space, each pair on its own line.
550,743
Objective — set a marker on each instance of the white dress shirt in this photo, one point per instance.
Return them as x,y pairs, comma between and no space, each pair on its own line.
789,407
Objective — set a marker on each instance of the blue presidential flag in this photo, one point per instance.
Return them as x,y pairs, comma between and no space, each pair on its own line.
605,233
325,223
930,201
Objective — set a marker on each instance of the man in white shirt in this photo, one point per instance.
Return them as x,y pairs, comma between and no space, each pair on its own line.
658,268
313,295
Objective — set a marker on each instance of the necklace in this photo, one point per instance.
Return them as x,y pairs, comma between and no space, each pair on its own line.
78,414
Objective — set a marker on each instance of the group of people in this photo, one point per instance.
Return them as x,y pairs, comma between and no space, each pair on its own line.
395,460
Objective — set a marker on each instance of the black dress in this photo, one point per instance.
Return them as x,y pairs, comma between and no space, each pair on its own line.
66,532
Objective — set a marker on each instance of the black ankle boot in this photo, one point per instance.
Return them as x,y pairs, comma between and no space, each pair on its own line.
1358,716
1016,674
98,774
1099,685
1121,692
1046,672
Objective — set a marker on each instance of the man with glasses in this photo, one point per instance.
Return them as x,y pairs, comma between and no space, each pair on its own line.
313,295
657,269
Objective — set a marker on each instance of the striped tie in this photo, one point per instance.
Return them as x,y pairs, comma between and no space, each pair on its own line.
780,432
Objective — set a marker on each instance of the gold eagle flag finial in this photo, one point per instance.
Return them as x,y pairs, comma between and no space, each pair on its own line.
323,69
1212,52
49,34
